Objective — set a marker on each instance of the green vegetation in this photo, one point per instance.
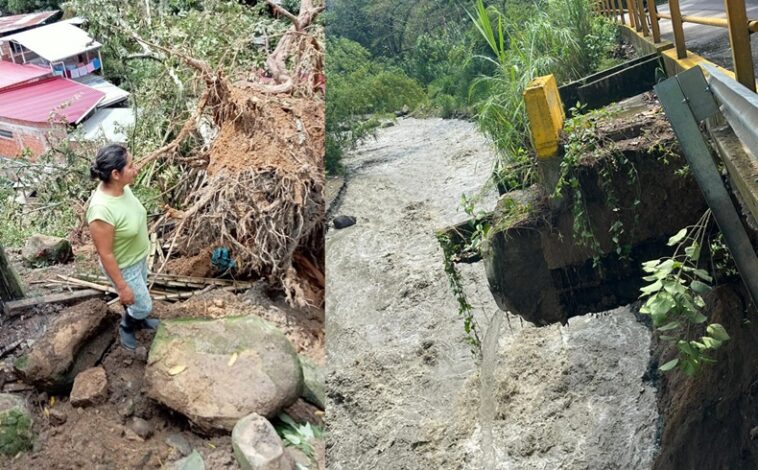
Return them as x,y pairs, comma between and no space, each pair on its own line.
391,55
16,7
674,300
162,87
300,436
559,37
582,144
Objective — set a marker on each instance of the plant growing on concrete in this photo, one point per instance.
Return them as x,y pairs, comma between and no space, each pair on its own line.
582,142
674,300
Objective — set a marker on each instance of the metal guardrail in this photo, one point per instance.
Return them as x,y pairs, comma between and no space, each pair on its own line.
739,107
645,21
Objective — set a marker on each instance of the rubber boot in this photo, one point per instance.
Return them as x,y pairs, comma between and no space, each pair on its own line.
126,331
149,323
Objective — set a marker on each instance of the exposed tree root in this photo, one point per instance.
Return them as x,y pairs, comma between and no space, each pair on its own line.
262,195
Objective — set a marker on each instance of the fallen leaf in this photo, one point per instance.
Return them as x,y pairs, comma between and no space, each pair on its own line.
232,359
177,370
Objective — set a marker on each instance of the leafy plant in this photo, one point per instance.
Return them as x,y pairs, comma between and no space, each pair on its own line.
583,144
675,300
561,37
301,436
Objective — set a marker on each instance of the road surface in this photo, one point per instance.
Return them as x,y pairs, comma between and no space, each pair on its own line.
708,41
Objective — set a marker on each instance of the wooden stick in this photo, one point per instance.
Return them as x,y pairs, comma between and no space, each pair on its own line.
91,285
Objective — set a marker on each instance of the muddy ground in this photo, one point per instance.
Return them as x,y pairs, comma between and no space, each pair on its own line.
100,437
403,386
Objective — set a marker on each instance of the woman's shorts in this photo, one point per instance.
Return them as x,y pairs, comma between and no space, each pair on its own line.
135,277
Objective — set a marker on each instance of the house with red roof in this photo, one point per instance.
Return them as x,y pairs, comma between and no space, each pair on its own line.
37,108
51,80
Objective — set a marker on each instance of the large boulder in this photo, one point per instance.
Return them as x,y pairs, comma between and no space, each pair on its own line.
76,341
313,382
44,250
15,425
257,446
217,371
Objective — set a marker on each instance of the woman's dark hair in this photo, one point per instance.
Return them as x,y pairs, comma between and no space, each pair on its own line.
109,158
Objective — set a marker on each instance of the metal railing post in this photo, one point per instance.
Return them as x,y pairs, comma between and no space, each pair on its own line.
654,21
676,25
643,18
739,38
630,12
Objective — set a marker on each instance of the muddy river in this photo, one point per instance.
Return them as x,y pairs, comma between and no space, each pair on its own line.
404,387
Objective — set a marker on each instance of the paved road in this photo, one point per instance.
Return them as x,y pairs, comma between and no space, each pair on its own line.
708,41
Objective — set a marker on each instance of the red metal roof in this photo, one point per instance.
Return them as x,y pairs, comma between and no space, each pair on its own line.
9,24
61,96
15,74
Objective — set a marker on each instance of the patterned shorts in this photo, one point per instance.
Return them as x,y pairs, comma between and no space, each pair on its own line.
135,277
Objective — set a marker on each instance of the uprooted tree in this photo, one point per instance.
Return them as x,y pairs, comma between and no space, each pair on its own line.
260,178
249,152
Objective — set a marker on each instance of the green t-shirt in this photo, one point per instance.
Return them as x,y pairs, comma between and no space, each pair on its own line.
129,218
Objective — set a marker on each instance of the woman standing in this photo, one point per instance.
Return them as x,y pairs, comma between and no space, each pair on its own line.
118,224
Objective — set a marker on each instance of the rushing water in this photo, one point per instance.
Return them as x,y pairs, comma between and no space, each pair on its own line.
487,404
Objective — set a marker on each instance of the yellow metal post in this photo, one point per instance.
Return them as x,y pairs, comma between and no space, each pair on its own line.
654,21
637,15
739,38
544,110
630,11
676,25
643,18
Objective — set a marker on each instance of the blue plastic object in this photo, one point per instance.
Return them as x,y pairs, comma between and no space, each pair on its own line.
222,260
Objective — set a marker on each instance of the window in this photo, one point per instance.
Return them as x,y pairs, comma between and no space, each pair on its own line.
6,134
16,47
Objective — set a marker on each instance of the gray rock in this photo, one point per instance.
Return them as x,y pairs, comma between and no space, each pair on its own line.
74,342
298,457
343,221
257,446
126,409
15,425
194,461
43,250
90,387
141,427
190,369
180,443
313,382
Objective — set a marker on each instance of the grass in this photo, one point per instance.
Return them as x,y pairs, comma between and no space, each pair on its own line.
563,39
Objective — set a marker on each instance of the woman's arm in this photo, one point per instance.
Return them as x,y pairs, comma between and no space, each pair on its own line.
102,234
